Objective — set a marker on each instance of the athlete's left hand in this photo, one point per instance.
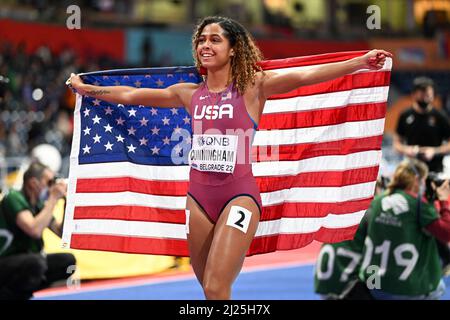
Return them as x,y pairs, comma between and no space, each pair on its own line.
375,59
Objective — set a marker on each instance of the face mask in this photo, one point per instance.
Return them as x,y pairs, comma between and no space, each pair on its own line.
43,195
422,104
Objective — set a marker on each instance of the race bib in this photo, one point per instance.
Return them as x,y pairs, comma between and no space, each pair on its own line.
213,153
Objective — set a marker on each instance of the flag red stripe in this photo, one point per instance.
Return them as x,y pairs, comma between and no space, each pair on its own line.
310,60
293,241
311,150
266,184
156,246
318,179
273,212
312,209
175,247
348,82
121,184
130,213
323,117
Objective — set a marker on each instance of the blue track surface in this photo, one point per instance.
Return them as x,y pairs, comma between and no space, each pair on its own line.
293,283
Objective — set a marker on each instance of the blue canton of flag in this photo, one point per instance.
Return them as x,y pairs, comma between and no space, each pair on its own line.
139,134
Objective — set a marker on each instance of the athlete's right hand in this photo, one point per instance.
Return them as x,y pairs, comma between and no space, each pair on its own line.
74,82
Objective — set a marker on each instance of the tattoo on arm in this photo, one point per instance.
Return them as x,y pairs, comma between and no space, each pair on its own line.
98,92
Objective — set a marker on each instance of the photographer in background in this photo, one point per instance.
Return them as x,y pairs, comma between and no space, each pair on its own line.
401,237
423,133
24,214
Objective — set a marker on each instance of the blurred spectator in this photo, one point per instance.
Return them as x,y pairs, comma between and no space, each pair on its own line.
37,107
147,52
3,82
24,214
401,237
422,130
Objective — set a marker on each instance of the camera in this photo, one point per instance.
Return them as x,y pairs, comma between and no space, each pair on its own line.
54,180
430,193
51,181
383,182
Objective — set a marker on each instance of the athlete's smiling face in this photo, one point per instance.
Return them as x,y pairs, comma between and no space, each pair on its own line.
213,47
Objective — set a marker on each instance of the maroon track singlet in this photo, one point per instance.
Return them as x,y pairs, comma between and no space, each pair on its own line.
220,157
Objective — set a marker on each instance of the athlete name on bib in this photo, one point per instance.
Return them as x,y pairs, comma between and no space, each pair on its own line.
213,153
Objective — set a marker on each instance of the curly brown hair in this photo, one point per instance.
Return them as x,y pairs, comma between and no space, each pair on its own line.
244,63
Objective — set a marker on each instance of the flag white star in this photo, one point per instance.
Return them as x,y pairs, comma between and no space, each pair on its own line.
86,149
105,77
174,111
137,84
120,121
166,140
165,121
159,83
143,141
126,77
96,102
132,112
154,111
108,146
97,138
177,130
131,131
120,105
188,140
87,131
96,83
155,150
131,148
155,130
108,128
86,112
119,138
108,110
143,122
117,83
141,106
96,119
186,120
177,149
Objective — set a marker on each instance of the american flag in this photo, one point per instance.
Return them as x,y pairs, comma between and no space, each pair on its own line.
316,160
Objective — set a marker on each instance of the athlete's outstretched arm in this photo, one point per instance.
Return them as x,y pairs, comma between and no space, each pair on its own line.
167,97
275,83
